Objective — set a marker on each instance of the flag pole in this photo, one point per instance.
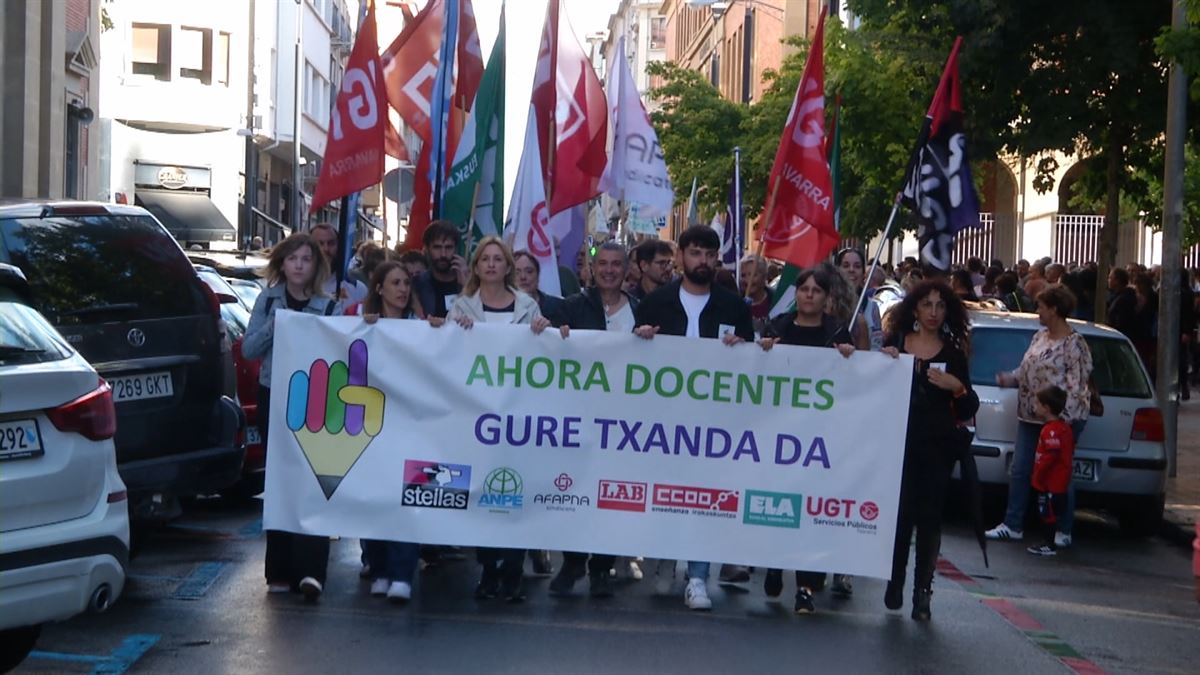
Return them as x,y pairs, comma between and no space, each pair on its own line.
736,214
862,296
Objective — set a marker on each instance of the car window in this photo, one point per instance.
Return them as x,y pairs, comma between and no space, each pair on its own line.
247,291
89,269
25,337
237,319
1115,366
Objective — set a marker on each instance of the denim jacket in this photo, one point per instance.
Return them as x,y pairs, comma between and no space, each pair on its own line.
260,335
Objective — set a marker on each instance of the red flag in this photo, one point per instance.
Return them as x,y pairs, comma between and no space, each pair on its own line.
410,64
418,213
572,115
354,147
393,144
799,226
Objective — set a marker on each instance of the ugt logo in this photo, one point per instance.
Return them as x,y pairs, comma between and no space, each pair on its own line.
334,415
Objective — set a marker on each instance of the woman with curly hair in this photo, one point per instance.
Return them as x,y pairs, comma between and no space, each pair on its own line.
932,325
841,302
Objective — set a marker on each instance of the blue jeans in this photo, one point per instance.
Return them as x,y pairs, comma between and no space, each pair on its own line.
391,560
1021,472
697,570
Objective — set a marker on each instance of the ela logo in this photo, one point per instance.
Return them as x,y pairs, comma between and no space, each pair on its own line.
334,415
503,489
774,509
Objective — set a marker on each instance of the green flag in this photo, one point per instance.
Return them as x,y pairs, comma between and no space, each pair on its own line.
783,300
474,197
835,163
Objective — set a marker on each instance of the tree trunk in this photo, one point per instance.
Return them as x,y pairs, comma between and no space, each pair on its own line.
1107,253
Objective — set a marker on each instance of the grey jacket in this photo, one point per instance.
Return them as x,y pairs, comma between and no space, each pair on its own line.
525,308
260,334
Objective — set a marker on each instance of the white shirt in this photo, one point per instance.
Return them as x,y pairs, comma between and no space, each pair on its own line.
622,321
693,305
355,291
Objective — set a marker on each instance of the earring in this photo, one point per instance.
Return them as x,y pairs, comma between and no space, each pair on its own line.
946,328
916,327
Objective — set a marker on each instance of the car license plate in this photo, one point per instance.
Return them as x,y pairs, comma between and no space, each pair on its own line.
252,437
1085,469
20,439
138,387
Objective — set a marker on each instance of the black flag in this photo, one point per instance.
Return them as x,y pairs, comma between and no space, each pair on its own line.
938,185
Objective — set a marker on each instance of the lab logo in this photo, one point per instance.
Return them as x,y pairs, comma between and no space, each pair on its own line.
622,495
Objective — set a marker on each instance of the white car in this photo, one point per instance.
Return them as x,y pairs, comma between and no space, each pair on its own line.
64,516
1120,460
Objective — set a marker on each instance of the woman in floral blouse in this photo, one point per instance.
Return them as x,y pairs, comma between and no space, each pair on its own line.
1057,356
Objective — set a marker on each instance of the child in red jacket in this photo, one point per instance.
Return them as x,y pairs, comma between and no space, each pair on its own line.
1053,463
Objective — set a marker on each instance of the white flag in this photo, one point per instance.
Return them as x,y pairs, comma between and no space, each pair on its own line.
636,169
528,224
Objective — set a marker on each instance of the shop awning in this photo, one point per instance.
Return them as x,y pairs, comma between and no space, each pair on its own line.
188,216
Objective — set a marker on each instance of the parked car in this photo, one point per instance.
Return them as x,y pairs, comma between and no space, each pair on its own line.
233,264
248,291
64,517
119,289
237,319
1120,459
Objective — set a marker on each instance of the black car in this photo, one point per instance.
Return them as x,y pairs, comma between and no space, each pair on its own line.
118,287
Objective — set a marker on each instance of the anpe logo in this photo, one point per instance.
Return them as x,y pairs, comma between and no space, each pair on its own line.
869,511
774,509
695,500
503,490
436,485
622,495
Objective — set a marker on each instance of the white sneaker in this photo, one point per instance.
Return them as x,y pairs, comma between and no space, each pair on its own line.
1002,532
664,572
1062,540
695,596
399,591
311,588
635,569
379,587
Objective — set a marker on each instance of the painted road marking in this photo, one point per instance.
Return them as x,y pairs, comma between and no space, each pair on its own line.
196,584
1033,629
122,658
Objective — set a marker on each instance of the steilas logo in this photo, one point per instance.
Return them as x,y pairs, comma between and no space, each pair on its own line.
622,495
436,485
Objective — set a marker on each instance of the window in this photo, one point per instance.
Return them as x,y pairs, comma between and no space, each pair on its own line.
194,52
316,94
221,60
151,50
1115,365
658,32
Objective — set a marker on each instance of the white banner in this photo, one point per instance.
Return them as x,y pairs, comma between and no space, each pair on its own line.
603,442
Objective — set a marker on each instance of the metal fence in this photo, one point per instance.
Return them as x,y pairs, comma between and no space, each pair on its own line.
1076,238
975,242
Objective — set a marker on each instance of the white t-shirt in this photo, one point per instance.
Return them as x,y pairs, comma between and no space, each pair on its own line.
693,305
622,321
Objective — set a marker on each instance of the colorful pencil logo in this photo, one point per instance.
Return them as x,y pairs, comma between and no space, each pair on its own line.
334,415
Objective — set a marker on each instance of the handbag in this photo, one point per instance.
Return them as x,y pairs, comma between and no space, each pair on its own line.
1095,402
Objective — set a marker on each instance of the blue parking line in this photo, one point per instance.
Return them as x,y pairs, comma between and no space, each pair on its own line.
196,584
122,658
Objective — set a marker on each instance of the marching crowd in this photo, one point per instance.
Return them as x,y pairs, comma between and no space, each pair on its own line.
680,289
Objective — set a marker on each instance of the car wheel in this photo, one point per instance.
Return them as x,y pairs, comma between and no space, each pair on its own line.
15,645
1143,517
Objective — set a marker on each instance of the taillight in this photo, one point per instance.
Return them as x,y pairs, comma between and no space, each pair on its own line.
214,304
1147,425
92,415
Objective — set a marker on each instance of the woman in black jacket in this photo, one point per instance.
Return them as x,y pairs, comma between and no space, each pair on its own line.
932,325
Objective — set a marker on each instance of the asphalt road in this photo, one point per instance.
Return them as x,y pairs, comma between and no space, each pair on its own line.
196,603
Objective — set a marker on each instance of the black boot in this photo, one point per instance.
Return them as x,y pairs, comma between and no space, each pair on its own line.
489,583
921,600
893,597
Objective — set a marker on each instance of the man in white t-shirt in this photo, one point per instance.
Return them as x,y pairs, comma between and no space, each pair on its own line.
692,306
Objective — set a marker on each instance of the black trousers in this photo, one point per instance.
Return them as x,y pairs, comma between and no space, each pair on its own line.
290,556
596,565
927,469
509,563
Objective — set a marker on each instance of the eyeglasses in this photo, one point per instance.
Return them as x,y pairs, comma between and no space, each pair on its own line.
663,263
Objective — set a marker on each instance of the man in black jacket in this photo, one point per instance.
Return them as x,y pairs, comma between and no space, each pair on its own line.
1122,302
694,307
604,306
437,287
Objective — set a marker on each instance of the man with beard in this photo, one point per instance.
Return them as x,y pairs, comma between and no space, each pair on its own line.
653,259
694,307
604,306
447,274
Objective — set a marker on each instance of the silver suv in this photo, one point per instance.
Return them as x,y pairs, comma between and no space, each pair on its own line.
1120,461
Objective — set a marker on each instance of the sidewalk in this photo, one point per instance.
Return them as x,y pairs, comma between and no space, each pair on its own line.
1183,491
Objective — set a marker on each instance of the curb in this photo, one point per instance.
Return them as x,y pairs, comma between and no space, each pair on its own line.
1177,529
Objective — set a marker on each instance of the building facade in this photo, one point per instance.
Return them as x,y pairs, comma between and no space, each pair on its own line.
49,70
645,31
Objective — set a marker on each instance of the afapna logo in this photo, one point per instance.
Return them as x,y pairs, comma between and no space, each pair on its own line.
563,499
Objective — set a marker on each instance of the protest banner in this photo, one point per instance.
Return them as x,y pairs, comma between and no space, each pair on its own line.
601,442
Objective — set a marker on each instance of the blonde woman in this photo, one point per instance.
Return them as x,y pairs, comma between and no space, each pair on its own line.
296,274
491,296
